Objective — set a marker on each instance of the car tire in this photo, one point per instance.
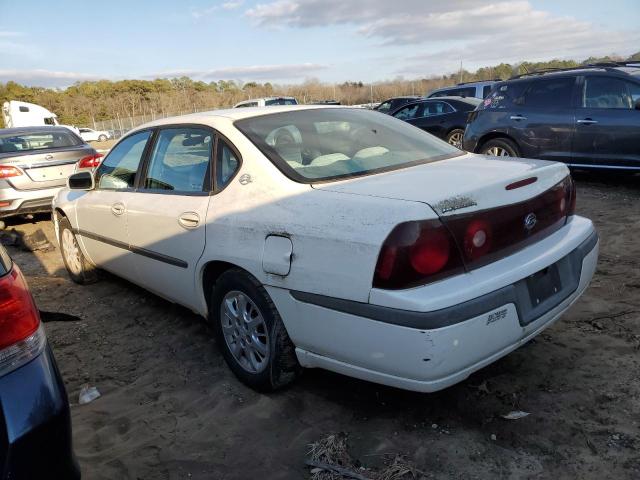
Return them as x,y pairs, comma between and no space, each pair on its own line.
454,137
500,147
78,267
102,138
261,355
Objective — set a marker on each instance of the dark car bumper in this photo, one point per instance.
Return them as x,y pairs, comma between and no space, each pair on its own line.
35,423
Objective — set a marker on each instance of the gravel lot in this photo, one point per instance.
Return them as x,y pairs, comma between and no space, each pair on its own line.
170,408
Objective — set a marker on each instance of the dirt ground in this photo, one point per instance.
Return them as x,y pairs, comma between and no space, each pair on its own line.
171,409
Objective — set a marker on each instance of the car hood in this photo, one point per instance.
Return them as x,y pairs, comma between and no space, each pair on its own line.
457,185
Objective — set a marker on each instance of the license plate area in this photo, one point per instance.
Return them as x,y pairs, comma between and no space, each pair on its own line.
48,174
544,284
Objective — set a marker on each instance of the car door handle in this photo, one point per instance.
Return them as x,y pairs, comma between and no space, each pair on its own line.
189,220
117,209
517,117
587,121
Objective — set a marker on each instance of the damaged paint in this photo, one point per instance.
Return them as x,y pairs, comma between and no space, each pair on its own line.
454,203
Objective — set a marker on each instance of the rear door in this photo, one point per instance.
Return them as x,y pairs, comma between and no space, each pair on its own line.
607,123
102,213
167,213
542,121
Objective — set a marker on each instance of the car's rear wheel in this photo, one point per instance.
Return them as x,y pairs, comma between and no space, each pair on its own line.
454,137
250,333
78,267
500,147
102,138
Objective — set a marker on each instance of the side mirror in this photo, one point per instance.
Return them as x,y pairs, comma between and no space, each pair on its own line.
81,181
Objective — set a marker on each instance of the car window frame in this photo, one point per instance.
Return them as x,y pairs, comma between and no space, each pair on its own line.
573,100
582,91
143,168
216,188
142,159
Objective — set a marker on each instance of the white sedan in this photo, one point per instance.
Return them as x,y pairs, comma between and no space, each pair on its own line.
336,238
90,135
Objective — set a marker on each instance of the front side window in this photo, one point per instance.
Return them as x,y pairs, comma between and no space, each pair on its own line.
384,107
180,160
436,108
227,163
550,93
326,144
607,92
409,112
26,142
118,169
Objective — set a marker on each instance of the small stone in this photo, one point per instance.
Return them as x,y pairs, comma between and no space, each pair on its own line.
493,437
434,426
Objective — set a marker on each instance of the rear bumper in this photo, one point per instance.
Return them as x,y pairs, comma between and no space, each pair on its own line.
430,350
35,424
25,201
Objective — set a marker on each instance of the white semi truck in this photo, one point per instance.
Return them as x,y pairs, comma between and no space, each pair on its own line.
23,114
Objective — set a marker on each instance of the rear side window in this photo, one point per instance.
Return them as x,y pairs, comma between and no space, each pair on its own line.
457,92
281,101
436,108
180,160
606,92
118,170
504,95
26,142
550,93
486,90
227,164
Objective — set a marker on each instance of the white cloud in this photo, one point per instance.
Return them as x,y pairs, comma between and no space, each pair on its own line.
478,33
51,78
45,78
232,5
251,72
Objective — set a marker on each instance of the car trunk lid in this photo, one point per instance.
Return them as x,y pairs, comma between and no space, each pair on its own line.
45,168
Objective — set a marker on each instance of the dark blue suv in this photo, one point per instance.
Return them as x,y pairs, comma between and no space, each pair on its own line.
35,425
587,117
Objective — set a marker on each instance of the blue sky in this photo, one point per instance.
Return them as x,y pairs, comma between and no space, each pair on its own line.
54,43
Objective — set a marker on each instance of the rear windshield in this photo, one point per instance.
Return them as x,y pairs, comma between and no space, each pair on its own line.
280,101
25,142
327,144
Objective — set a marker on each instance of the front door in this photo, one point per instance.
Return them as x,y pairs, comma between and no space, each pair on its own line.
102,212
607,124
167,213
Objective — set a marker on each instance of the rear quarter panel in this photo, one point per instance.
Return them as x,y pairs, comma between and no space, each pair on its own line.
336,237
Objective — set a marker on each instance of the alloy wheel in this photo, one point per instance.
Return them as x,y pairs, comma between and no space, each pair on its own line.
498,152
71,252
245,331
456,140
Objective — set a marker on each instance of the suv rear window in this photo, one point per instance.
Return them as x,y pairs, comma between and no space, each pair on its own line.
456,92
26,142
504,95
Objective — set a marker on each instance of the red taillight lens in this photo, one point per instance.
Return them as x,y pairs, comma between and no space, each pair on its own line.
7,171
91,161
19,316
416,253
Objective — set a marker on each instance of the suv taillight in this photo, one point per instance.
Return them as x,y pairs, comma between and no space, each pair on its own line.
21,337
90,161
416,253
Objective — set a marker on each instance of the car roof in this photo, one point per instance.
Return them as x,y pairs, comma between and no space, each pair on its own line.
619,70
34,129
233,114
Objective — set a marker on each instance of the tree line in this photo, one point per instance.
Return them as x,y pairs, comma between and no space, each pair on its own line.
87,102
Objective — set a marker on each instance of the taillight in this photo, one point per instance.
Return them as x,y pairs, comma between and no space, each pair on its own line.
7,171
90,161
19,317
416,253
21,336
